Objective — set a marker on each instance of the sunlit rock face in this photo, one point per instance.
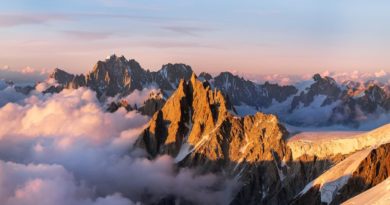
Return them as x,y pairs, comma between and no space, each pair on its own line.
200,120
321,86
119,76
197,127
242,91
320,102
350,177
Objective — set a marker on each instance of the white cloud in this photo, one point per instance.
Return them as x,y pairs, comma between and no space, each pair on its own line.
380,73
28,70
9,94
47,185
71,132
24,75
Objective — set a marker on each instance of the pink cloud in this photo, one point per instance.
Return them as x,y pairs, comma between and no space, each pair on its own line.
28,70
9,20
88,35
380,73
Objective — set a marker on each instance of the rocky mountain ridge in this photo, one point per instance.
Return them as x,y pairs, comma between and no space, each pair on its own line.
198,127
349,104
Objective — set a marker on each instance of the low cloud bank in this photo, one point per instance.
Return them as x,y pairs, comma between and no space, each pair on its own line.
64,148
26,75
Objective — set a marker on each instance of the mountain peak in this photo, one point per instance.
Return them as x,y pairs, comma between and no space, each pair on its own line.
61,76
111,57
194,78
196,122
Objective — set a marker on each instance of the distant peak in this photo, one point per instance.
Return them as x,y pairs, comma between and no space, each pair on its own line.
114,57
57,71
110,57
317,77
176,66
205,76
194,78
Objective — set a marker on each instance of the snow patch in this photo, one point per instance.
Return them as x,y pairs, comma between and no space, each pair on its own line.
336,177
378,195
324,144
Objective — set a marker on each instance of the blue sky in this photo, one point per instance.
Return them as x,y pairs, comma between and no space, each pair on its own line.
280,36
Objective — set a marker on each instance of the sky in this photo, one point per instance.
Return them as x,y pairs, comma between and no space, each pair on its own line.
248,36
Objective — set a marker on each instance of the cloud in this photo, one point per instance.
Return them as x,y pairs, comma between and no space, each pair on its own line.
139,97
10,20
186,30
380,73
28,70
21,19
130,5
87,35
46,185
90,152
8,94
290,79
358,76
25,75
174,44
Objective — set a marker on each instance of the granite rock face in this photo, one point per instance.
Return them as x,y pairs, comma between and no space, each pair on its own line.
347,103
242,91
369,172
119,76
197,127
321,86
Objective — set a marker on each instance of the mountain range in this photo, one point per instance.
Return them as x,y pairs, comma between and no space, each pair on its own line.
318,102
252,133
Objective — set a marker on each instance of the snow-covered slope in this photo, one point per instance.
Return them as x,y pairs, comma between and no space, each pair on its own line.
335,178
322,144
378,195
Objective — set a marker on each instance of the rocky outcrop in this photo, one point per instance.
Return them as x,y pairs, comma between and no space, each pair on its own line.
370,167
61,76
321,86
151,105
114,106
244,91
197,127
119,76
169,76
349,103
356,104
374,169
203,76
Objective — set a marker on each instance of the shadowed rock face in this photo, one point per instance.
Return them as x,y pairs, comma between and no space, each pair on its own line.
351,108
196,127
205,76
372,170
321,86
116,75
197,121
61,76
240,90
119,76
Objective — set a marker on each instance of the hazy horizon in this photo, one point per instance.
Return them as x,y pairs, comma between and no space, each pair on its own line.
261,37
32,75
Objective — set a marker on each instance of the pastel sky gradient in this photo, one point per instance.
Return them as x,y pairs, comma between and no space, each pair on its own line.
254,36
